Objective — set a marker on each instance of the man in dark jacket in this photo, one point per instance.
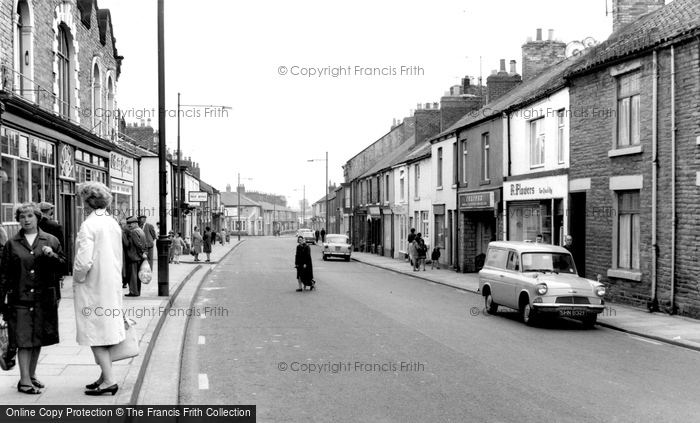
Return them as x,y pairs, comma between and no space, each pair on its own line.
135,249
151,236
411,238
48,225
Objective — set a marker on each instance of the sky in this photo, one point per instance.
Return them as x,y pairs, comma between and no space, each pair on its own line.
258,58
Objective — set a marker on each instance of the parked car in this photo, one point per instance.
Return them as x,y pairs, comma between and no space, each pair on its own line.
336,245
308,235
539,280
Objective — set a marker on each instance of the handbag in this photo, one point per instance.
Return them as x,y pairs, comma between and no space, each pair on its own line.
129,347
145,273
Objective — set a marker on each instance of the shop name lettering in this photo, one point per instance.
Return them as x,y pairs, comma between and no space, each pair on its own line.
122,164
516,189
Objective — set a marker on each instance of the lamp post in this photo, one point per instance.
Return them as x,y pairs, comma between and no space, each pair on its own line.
180,192
303,206
326,190
238,194
163,242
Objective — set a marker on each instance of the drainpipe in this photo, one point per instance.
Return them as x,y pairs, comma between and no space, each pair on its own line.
654,303
673,181
505,211
458,214
138,188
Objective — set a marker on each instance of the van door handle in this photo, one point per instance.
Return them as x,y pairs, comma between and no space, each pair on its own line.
502,276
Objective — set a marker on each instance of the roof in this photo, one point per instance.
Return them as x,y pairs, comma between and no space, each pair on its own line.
528,247
539,86
230,198
269,206
390,159
676,20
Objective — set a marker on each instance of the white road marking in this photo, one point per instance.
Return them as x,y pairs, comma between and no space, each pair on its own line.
645,340
203,381
202,340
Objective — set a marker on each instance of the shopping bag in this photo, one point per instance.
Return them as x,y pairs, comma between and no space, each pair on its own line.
145,273
129,347
3,336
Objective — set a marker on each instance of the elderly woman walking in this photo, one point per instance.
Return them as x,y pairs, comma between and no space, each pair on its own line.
196,243
31,262
97,280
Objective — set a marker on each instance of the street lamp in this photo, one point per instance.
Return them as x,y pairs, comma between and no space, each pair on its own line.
180,192
163,243
303,206
238,194
326,190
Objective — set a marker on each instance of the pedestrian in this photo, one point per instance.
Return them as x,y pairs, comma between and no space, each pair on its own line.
538,239
171,237
323,235
151,236
135,245
96,279
125,233
196,244
435,258
177,247
207,241
31,262
422,253
411,237
222,235
568,243
317,234
50,226
413,252
303,264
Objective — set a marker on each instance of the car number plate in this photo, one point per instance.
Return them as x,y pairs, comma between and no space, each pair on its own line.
573,313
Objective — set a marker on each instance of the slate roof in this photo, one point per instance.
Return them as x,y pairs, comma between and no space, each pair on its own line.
230,199
676,20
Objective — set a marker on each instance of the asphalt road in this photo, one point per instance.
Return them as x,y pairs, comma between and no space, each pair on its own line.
372,345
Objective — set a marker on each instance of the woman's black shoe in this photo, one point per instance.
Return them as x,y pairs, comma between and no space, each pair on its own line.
98,391
94,385
36,383
27,389
299,290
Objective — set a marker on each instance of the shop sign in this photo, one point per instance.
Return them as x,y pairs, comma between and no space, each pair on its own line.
386,211
541,188
121,167
67,162
197,197
480,200
374,211
398,209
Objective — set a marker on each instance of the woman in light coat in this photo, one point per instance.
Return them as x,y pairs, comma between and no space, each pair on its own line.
197,243
97,284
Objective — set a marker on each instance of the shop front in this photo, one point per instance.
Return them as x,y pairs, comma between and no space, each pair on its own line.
121,172
374,230
400,231
387,245
480,226
536,207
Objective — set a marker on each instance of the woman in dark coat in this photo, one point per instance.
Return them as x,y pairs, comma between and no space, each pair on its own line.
206,239
31,260
302,261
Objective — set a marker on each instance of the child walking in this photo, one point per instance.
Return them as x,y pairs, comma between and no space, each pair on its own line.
435,258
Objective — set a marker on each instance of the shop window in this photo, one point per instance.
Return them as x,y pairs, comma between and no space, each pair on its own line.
628,109
537,143
527,220
628,229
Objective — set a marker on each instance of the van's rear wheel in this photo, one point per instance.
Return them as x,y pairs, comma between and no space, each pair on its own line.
589,321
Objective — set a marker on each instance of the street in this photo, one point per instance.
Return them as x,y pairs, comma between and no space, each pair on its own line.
372,345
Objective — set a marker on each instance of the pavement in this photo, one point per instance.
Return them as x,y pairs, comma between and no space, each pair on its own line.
65,368
675,330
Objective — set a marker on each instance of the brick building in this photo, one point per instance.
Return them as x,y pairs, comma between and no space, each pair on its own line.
59,71
635,156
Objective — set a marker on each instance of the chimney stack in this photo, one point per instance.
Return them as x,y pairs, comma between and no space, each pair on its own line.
539,55
626,11
498,84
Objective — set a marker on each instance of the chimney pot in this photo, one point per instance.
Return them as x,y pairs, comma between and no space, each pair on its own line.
539,34
494,71
436,105
551,35
427,105
529,39
512,67
503,65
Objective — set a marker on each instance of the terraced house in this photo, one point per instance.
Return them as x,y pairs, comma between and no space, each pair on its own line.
635,155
